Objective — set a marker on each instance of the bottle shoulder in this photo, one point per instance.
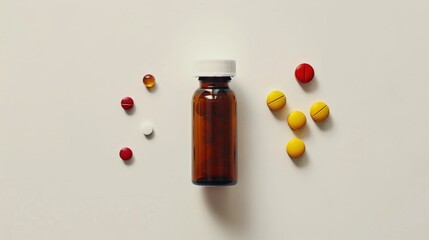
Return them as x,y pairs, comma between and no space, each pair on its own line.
213,91
214,94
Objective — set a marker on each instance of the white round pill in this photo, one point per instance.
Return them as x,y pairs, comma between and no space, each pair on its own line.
147,128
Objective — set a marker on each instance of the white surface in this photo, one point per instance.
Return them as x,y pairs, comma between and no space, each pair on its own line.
65,66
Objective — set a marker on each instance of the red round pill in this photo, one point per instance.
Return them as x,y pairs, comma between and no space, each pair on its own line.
127,103
304,73
126,154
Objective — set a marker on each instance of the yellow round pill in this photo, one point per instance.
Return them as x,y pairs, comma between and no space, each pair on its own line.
276,100
295,148
296,120
319,111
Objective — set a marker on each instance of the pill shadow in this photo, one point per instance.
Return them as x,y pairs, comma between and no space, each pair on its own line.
302,161
131,111
302,133
150,136
281,114
152,89
129,162
326,125
311,86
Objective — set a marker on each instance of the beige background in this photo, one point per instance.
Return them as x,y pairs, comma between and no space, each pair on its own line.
65,65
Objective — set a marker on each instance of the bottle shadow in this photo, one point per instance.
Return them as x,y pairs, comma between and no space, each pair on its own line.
230,206
227,205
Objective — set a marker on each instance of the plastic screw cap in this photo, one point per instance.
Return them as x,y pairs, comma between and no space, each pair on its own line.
215,68
304,73
296,120
295,148
126,153
127,103
276,100
319,111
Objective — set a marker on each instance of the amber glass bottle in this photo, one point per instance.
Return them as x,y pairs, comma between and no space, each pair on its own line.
214,125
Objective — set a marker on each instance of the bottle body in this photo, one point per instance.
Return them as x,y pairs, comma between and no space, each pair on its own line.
214,133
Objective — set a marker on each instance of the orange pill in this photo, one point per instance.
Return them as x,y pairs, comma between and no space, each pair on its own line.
149,80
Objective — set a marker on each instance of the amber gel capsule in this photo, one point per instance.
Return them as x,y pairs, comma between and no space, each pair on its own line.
214,125
149,80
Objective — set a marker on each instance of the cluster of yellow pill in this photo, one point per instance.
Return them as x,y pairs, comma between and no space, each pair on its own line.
319,111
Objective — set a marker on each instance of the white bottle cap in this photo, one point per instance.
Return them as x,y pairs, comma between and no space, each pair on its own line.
215,68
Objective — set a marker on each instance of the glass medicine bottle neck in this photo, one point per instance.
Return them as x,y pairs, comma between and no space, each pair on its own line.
214,82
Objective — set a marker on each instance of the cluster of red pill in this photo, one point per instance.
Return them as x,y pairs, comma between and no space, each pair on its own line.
127,103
